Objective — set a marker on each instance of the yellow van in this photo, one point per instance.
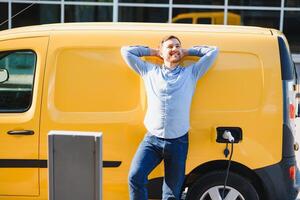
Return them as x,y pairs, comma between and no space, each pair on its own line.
72,77
207,18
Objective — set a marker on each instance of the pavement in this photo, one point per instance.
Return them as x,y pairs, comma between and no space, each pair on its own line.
298,140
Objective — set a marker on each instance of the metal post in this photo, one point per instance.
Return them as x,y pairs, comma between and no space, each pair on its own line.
9,14
226,12
115,11
62,11
281,15
170,11
75,165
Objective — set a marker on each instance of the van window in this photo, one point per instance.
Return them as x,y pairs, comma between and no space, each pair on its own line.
287,65
16,92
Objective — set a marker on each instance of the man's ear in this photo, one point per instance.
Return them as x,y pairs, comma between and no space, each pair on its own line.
160,51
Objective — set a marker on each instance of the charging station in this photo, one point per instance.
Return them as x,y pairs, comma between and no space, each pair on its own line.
75,165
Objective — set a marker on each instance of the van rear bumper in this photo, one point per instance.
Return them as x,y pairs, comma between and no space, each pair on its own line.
277,182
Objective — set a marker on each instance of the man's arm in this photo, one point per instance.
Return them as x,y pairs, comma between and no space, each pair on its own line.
208,55
132,54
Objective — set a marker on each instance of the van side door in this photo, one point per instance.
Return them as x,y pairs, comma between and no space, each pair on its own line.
20,105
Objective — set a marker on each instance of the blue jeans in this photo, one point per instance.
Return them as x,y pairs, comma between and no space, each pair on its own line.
150,153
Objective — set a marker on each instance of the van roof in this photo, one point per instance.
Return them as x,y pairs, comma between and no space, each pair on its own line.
49,28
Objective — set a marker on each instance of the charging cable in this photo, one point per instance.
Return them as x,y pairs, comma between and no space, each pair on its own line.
227,135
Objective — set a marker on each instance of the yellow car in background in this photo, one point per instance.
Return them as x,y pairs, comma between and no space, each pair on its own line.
207,18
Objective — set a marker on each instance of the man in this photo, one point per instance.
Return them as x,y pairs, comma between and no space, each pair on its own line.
169,88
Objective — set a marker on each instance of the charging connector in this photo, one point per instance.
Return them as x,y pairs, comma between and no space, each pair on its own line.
228,136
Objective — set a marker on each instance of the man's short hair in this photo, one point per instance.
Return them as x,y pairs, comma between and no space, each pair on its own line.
169,37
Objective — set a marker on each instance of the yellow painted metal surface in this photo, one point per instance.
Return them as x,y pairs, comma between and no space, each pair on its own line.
88,87
23,181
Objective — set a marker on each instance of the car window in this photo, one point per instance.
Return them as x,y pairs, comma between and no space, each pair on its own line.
202,20
16,92
184,21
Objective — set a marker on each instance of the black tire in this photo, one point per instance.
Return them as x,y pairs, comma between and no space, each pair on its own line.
213,180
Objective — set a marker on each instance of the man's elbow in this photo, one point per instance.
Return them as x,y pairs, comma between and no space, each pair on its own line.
214,48
214,51
217,50
124,51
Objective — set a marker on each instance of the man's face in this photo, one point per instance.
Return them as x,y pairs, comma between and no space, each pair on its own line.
171,51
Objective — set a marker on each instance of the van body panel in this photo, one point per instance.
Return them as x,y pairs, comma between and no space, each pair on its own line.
20,153
81,96
98,94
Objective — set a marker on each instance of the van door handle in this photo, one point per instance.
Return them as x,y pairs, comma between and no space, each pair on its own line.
21,132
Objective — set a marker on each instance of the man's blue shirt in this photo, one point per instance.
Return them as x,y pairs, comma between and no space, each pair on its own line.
169,91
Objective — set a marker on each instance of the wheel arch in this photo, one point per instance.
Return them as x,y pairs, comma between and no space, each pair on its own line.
218,165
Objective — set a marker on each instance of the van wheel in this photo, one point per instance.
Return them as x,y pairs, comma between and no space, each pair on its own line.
210,187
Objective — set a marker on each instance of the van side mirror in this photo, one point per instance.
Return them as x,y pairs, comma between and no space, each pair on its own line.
3,75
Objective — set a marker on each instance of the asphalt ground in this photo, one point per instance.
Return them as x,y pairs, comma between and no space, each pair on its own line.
298,140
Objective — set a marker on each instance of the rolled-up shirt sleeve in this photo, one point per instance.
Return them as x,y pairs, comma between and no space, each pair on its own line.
132,56
208,55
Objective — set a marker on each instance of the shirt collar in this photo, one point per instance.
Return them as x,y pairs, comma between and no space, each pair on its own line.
170,69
